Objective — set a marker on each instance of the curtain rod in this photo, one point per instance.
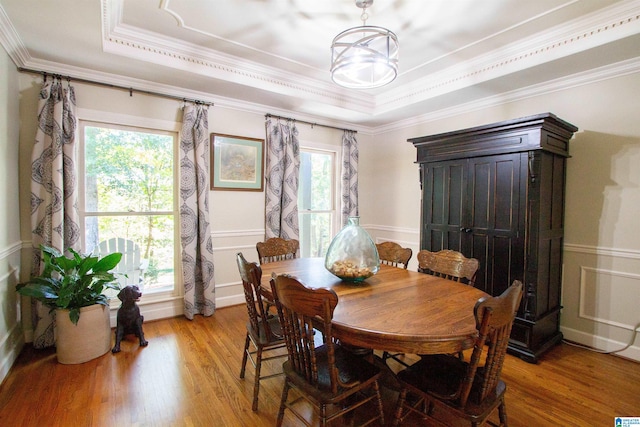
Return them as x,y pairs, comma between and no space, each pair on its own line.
130,89
308,123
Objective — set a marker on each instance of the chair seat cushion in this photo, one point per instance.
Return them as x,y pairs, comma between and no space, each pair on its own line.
351,368
261,335
438,374
441,376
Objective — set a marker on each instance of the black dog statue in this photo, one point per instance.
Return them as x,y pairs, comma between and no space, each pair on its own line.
129,318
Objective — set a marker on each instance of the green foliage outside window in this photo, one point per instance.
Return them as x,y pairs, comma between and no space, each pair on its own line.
129,180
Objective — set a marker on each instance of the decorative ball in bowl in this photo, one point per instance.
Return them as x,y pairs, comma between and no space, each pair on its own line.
351,272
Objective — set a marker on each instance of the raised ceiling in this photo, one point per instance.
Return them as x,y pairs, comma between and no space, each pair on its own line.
275,55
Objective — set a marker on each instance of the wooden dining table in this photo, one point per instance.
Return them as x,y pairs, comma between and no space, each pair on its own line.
395,310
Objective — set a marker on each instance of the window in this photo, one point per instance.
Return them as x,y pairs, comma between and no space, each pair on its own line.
316,201
128,201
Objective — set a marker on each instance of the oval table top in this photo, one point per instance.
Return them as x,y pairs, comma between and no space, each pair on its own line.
395,310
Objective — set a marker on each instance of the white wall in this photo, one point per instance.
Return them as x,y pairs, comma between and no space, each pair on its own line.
601,287
11,338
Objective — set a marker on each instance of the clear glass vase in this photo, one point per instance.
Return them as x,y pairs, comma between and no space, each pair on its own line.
352,255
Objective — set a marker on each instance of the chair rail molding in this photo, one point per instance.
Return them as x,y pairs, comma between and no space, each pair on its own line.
238,233
603,251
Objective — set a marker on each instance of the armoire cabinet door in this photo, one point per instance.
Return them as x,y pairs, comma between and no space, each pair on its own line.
495,218
473,206
444,190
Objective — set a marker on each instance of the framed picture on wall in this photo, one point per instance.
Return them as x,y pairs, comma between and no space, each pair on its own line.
236,163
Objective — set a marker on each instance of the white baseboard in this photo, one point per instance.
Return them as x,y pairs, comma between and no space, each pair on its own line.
601,343
230,300
175,307
10,349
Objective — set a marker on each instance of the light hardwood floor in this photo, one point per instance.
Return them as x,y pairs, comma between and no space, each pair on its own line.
188,376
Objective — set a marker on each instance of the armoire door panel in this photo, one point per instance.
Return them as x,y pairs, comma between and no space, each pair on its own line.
555,273
496,237
548,275
443,196
507,176
479,248
499,264
543,282
494,183
504,269
557,212
480,187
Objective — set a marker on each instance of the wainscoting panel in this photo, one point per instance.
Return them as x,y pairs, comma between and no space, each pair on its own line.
601,299
405,237
610,297
12,337
226,244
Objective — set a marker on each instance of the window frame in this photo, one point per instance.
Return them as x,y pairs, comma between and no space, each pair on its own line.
335,151
135,124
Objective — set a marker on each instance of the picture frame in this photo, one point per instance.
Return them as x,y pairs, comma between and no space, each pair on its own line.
237,163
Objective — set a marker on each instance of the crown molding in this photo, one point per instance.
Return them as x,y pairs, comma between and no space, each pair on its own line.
122,39
623,68
588,32
606,25
11,41
146,85
620,69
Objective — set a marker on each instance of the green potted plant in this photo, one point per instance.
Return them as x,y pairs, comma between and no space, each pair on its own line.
74,287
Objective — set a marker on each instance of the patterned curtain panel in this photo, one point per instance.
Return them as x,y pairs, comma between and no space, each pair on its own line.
195,235
349,175
282,169
54,193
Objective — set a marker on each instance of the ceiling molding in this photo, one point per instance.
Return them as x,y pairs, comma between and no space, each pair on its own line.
580,35
164,6
603,26
631,66
11,41
122,39
150,86
620,69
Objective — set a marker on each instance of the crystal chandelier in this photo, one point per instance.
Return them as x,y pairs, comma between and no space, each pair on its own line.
364,57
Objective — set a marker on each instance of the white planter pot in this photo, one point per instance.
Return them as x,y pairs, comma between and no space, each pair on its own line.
89,339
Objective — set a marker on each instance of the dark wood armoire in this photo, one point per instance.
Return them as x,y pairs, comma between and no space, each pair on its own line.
496,193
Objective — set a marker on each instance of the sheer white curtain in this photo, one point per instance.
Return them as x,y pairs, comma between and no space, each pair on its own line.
281,173
54,192
349,175
195,235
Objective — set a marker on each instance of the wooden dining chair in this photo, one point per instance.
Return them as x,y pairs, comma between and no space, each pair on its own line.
277,249
326,374
471,390
263,331
393,254
449,264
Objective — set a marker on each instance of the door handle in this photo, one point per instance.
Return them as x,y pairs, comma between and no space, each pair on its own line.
465,230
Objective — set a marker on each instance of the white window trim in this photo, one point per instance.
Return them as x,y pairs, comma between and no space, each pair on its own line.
337,152
161,304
